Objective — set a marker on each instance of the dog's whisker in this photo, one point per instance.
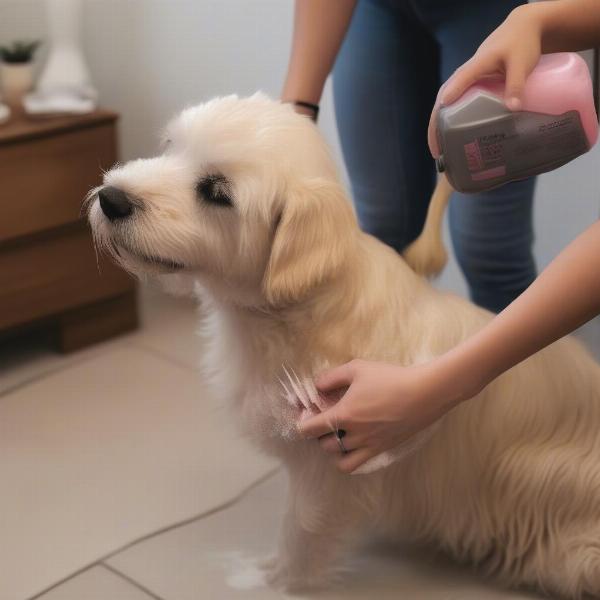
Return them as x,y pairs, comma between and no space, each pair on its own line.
97,258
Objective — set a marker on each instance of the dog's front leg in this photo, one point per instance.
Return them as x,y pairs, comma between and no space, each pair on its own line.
321,521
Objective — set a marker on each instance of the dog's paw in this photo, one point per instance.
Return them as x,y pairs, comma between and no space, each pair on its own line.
267,563
282,576
277,573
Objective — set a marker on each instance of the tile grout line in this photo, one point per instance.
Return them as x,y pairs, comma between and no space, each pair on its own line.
131,581
173,526
90,353
51,371
127,340
203,515
164,355
17,386
84,359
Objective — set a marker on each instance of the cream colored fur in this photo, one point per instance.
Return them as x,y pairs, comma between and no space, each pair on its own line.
427,255
509,480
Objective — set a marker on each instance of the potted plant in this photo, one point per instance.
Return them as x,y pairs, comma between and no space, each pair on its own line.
16,71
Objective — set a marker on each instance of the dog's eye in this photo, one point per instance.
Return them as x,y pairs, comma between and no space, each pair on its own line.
214,189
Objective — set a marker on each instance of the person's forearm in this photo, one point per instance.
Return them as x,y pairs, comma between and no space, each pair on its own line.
563,297
319,29
567,25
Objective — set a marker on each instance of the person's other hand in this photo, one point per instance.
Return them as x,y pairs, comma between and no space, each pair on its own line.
511,51
384,405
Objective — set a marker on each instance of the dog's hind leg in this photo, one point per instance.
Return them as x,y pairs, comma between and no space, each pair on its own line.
548,519
573,572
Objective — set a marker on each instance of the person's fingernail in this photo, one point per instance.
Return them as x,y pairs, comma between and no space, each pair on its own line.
446,96
513,103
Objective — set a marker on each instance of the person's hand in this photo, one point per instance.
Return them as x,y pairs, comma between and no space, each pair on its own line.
511,51
384,405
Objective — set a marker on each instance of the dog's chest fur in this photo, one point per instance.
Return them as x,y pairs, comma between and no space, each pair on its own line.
256,364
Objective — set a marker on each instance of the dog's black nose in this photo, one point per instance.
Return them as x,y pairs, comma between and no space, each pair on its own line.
114,203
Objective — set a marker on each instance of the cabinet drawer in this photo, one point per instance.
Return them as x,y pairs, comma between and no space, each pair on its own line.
54,274
45,180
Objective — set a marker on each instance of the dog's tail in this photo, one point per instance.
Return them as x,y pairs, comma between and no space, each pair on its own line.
427,255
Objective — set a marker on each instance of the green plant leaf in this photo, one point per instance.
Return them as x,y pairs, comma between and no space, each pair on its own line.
20,51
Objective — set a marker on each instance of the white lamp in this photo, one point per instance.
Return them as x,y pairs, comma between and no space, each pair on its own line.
65,85
4,113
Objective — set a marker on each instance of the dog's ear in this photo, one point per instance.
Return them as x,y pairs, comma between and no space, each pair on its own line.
316,233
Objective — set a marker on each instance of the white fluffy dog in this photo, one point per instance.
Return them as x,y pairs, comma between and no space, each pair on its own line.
244,207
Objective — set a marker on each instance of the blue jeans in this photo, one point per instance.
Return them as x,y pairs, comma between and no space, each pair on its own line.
392,62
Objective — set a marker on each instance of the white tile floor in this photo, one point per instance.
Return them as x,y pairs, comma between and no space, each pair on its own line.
122,480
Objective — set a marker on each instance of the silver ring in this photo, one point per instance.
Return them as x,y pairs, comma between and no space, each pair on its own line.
340,442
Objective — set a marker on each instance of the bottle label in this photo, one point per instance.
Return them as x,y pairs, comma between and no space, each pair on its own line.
511,146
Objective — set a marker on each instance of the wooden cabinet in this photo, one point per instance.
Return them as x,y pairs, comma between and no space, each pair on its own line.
49,272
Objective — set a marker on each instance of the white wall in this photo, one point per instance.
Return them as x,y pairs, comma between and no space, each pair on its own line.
149,58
